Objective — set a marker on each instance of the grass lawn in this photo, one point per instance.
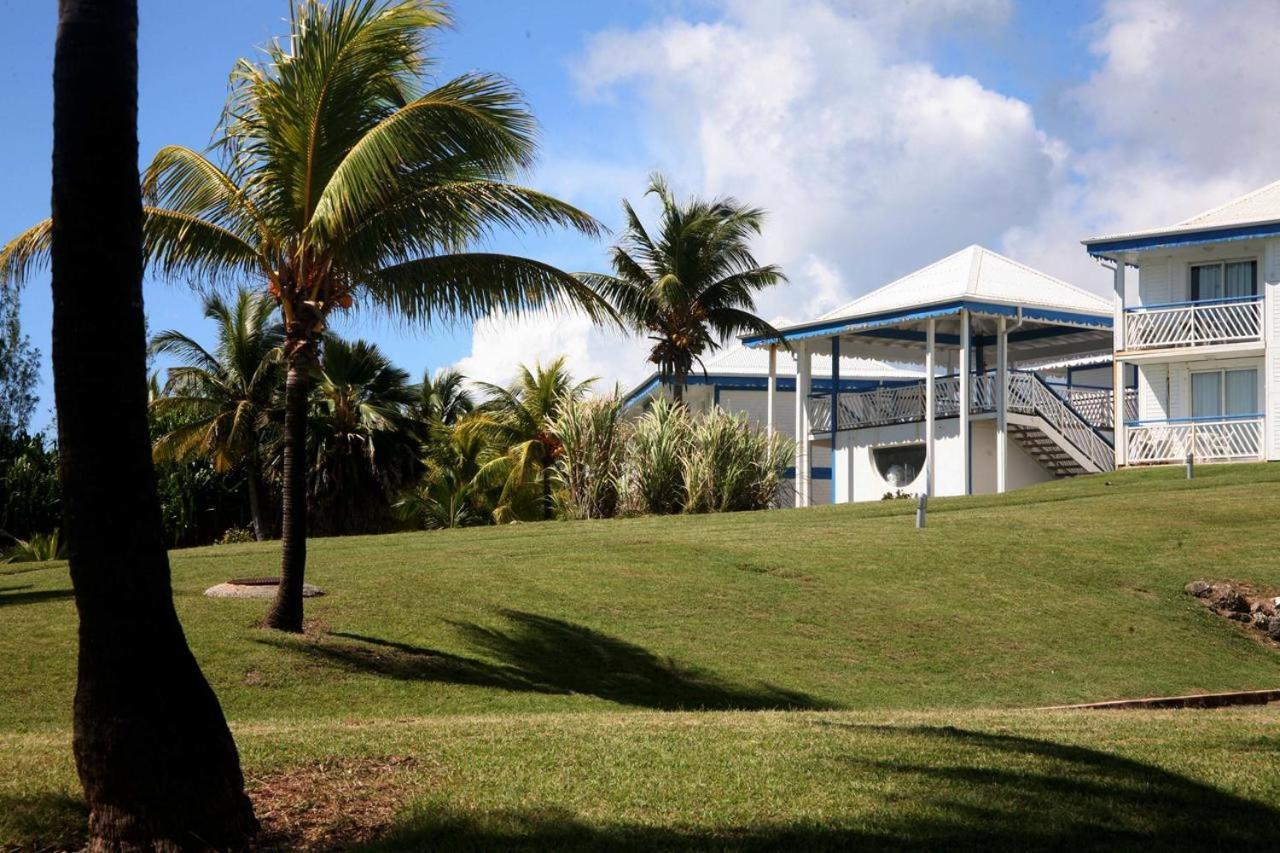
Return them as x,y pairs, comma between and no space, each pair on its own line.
496,687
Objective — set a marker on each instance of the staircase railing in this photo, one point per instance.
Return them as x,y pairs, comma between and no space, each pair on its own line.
1030,394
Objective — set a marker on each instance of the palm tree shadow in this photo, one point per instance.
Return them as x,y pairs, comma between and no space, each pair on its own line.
948,789
576,659
544,655
17,595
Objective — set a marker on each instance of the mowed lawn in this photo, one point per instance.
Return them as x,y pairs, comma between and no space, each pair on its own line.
494,687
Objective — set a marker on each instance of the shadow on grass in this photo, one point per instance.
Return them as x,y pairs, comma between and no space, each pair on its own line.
544,655
45,821
15,595
945,788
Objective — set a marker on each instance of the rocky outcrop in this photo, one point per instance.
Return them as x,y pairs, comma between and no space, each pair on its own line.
1240,603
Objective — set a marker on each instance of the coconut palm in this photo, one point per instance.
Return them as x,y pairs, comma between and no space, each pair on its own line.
366,444
155,758
338,179
448,494
691,287
221,401
517,422
444,399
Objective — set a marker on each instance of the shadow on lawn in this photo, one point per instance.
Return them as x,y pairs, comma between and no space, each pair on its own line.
544,655
945,789
11,596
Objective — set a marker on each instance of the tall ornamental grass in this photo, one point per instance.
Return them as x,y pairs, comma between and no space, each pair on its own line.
593,442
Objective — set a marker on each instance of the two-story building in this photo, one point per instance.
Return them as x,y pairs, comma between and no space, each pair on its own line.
1202,326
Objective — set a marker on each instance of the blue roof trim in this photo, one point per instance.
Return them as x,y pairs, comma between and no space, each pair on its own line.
842,325
1099,248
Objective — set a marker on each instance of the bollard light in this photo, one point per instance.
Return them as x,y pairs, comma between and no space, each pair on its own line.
922,505
1191,466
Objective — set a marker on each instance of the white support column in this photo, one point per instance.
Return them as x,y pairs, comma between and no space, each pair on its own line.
1117,412
771,390
1117,368
930,402
803,388
966,396
1002,407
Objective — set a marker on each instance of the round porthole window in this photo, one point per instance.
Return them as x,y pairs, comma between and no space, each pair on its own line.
899,465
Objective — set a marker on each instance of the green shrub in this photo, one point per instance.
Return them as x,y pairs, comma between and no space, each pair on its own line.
652,479
41,547
593,441
730,465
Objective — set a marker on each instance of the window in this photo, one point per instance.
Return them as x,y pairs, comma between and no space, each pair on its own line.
899,466
1219,393
1230,280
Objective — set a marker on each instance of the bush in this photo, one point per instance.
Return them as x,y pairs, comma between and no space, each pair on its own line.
30,493
41,547
730,465
652,479
592,440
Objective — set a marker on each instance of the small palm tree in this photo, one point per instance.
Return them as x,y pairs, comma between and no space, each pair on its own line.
694,285
517,423
366,444
221,401
448,494
338,179
444,399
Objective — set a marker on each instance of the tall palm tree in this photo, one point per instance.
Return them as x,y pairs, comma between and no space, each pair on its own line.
222,400
444,399
693,285
338,179
155,758
366,443
516,423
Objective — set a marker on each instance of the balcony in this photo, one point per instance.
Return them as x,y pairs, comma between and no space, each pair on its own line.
1217,439
1235,320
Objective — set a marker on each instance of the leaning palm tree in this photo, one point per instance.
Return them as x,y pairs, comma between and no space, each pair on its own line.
221,401
338,180
693,285
444,398
366,443
517,423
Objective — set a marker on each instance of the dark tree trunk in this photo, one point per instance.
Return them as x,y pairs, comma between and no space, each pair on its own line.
286,613
548,503
677,387
254,484
154,755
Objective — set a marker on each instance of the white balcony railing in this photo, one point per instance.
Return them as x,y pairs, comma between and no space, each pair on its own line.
1191,324
1094,403
1207,439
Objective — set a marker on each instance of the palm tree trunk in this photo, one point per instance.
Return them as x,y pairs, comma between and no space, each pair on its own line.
254,483
286,613
677,387
548,506
155,758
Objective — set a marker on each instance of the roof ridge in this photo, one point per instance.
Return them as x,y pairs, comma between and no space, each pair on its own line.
1190,220
975,267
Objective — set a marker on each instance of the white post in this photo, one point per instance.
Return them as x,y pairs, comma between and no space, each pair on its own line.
800,419
1117,369
771,390
1002,407
930,402
803,388
1117,412
966,394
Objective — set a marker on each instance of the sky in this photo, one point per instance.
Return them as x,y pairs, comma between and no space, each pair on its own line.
878,136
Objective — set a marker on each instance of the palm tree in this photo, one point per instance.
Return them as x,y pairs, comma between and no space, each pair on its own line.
366,443
338,179
516,422
692,287
221,401
448,495
157,763
444,399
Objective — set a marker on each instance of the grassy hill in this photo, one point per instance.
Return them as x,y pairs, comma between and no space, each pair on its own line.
439,646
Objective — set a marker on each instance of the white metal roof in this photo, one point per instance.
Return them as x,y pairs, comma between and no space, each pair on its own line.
1254,208
974,273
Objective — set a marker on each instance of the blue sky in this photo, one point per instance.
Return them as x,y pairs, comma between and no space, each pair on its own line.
879,136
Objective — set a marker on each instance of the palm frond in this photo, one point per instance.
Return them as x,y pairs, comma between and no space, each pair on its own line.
27,253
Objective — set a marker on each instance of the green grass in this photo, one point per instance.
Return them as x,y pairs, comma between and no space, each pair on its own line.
515,662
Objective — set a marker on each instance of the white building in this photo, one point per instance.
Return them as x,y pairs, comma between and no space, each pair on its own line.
737,379
974,314
1202,327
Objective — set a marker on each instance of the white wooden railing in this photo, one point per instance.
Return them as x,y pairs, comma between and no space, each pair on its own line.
1094,404
1207,439
1028,394
1189,324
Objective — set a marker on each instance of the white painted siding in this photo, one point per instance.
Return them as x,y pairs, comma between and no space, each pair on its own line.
1154,284
1271,362
1153,392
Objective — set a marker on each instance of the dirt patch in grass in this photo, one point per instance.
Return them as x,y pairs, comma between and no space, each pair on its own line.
333,804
